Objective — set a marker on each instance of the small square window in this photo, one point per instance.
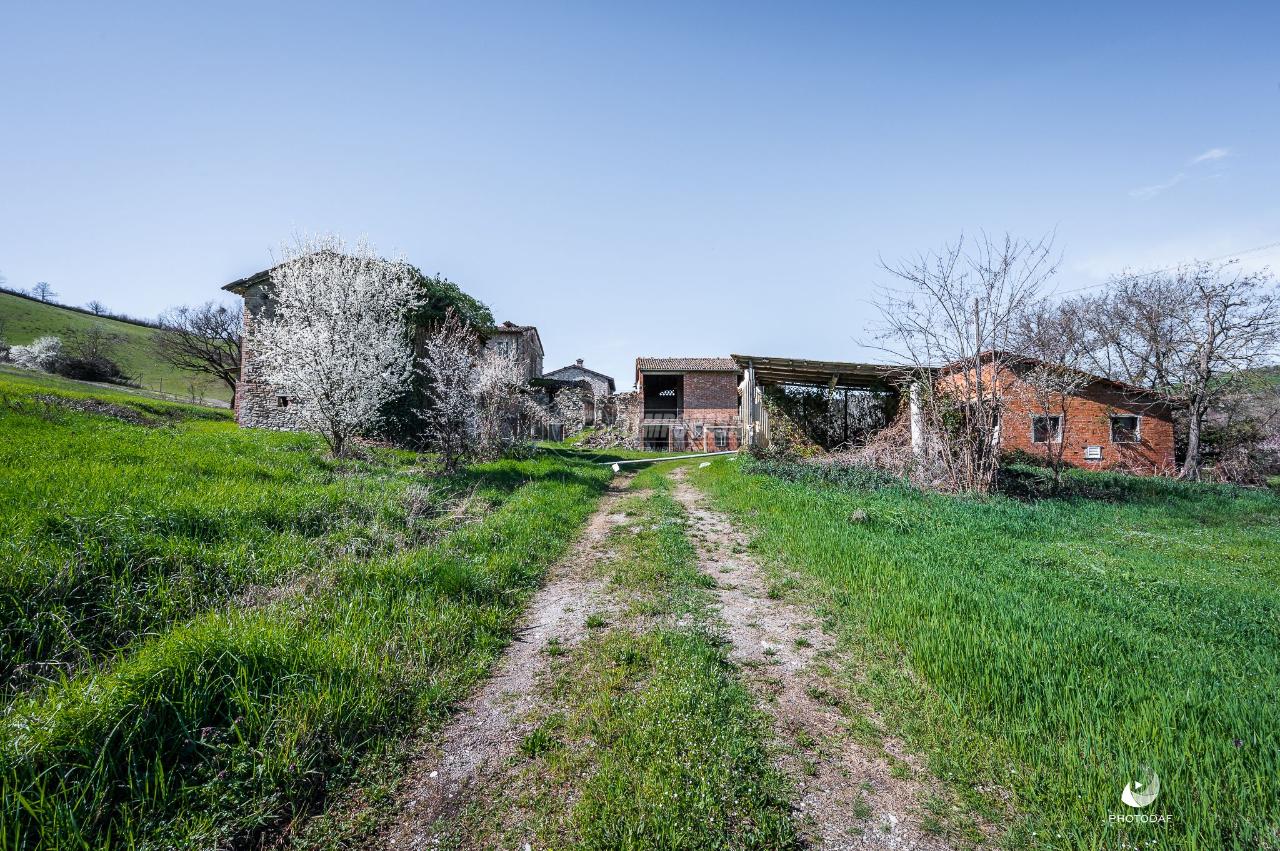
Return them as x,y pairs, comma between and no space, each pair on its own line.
282,401
1125,428
1046,429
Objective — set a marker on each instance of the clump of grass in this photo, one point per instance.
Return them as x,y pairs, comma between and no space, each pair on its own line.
539,741
596,621
110,530
1052,646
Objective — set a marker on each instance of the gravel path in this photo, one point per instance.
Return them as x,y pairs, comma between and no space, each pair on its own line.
487,729
847,795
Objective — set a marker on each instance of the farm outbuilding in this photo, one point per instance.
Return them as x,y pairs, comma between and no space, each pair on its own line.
1104,424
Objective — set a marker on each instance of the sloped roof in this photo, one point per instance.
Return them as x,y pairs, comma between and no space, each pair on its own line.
688,364
819,373
241,286
608,378
509,327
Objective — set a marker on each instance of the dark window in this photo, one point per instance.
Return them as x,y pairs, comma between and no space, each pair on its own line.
1124,428
1046,429
282,401
722,437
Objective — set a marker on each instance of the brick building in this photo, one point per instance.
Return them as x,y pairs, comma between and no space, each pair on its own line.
257,403
524,341
1103,425
689,404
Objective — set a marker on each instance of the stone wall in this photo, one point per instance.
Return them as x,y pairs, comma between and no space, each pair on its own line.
259,404
577,372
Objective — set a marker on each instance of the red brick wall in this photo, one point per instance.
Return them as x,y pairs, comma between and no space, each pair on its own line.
1087,422
710,396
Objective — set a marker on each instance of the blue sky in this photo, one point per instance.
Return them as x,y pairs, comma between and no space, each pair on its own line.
652,179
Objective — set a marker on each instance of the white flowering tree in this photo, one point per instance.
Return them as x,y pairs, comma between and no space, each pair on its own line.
477,400
451,416
505,406
44,353
337,334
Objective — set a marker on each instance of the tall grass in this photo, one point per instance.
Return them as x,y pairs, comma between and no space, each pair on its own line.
1053,647
110,530
224,727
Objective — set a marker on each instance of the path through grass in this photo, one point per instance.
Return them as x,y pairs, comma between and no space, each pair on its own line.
648,738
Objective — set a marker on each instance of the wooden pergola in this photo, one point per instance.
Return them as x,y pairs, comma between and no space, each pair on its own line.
799,372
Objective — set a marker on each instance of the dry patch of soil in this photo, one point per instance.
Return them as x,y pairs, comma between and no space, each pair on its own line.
850,796
480,740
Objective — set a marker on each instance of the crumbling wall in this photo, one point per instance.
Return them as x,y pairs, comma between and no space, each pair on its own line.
626,411
259,404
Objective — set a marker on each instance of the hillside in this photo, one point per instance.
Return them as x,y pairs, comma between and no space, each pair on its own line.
23,320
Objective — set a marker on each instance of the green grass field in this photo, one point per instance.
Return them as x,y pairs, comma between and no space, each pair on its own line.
1052,647
209,631
23,320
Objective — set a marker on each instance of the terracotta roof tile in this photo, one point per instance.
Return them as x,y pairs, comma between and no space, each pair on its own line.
688,364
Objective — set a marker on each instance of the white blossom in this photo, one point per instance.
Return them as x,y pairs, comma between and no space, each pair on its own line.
336,336
43,354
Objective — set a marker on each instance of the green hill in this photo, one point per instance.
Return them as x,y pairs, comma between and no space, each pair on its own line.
23,320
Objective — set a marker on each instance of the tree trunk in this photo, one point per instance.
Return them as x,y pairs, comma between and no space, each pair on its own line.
1191,464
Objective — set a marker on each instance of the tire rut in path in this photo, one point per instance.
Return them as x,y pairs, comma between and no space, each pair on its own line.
847,796
487,729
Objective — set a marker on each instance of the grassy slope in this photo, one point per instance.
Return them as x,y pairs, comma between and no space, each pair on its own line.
23,320
218,726
232,508
1053,647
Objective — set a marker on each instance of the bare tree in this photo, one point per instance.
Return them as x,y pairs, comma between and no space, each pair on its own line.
1189,335
1053,341
451,419
338,336
96,307
954,329
203,339
43,291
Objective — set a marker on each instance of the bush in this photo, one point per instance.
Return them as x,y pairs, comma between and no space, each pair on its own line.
90,355
43,354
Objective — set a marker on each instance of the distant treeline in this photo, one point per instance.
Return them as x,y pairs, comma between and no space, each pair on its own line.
105,314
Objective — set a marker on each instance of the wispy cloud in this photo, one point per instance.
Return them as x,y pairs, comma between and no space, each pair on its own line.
1156,188
1211,155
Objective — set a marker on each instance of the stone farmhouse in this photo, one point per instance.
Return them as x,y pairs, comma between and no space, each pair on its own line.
572,401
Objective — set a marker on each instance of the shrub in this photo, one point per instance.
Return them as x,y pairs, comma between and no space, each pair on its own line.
90,355
43,354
